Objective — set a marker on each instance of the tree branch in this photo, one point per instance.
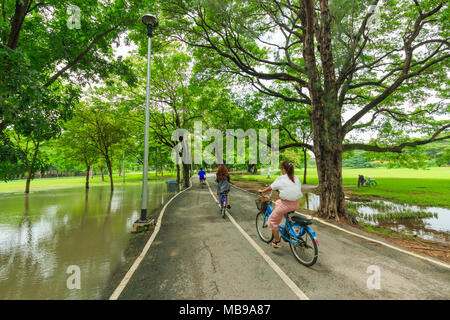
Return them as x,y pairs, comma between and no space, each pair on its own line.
80,56
398,148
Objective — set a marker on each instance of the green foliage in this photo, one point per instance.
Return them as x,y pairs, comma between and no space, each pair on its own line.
11,159
293,155
37,91
76,144
33,159
410,158
444,158
261,44
356,159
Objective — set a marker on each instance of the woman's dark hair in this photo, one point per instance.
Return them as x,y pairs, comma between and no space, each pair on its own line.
222,172
289,167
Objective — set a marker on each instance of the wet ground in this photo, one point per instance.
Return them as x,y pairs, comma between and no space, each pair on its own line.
199,255
428,236
428,223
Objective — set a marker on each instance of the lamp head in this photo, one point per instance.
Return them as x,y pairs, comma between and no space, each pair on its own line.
150,20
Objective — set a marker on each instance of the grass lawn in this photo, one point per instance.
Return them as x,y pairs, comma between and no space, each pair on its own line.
430,187
73,182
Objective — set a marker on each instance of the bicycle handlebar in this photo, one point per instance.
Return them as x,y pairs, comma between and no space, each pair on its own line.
265,195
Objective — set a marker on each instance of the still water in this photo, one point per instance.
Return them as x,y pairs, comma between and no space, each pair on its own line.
436,228
44,233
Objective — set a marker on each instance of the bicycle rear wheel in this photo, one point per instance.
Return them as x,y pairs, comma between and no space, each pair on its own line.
264,232
305,251
223,211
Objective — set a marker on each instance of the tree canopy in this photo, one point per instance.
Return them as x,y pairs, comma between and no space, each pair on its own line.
359,65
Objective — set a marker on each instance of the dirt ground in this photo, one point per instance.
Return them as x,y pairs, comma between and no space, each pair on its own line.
433,249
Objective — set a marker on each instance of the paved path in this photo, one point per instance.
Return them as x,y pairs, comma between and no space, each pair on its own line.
199,255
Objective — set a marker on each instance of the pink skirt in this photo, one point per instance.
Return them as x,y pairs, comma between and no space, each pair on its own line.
281,208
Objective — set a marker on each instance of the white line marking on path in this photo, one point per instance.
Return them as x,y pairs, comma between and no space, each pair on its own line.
442,264
139,259
299,293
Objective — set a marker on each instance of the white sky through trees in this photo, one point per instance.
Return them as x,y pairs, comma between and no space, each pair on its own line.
126,50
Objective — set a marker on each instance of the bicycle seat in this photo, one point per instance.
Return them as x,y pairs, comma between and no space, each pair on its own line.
301,220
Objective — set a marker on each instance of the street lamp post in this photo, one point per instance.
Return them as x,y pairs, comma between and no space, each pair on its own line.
151,22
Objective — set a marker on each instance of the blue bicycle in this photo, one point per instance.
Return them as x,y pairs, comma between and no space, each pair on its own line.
223,203
302,240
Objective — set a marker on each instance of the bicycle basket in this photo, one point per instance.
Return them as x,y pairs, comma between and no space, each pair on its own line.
261,206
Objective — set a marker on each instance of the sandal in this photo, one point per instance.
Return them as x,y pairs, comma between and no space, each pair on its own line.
276,244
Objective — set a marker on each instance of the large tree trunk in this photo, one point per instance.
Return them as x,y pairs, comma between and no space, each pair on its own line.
156,162
108,164
16,23
326,112
88,171
304,172
329,169
161,163
102,173
186,170
27,186
328,152
178,173
327,127
31,169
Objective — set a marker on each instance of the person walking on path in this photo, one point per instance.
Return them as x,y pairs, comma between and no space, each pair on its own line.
290,190
223,182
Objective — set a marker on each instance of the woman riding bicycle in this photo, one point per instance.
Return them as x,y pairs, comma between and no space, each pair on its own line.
201,175
290,190
223,182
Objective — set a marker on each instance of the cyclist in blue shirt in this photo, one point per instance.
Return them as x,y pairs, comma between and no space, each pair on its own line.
202,175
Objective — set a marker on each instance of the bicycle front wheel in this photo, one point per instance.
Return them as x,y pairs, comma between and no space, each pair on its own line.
305,251
264,232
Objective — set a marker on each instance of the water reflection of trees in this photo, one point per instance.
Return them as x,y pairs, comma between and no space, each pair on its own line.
70,227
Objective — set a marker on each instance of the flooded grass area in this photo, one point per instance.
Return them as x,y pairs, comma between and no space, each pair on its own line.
430,223
44,233
427,187
421,229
